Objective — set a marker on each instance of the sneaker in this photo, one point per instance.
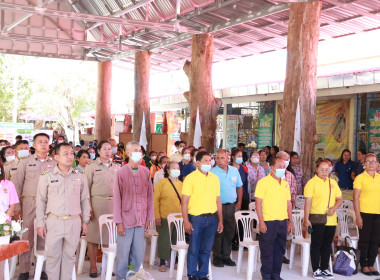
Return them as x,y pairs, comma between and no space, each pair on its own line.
218,263
326,274
24,276
44,276
318,274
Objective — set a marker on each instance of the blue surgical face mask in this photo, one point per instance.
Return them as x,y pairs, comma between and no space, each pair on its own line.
136,156
92,156
114,151
280,173
206,167
239,160
330,169
175,173
23,153
286,163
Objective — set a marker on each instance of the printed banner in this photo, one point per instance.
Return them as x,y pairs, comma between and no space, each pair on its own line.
265,130
374,131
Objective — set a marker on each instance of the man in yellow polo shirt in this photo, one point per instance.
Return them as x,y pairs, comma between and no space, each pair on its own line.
274,209
202,215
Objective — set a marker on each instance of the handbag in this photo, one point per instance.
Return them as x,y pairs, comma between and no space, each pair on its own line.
180,202
347,259
320,219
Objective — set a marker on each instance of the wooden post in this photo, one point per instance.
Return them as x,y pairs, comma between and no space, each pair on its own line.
164,124
127,124
142,101
301,80
199,72
152,123
103,102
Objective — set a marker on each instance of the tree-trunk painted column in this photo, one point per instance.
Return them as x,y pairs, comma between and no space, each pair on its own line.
103,102
199,72
127,123
301,80
142,101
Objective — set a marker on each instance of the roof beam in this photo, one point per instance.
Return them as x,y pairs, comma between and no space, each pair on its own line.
97,18
24,17
348,7
62,42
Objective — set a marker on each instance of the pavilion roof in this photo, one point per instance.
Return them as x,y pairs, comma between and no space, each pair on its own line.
114,29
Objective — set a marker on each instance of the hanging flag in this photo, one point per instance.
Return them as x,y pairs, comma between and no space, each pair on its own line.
143,140
197,132
297,130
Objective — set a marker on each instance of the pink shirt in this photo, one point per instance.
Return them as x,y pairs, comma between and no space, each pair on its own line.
8,195
133,197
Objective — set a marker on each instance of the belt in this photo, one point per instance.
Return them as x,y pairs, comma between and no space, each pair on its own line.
62,217
103,197
29,197
207,215
228,203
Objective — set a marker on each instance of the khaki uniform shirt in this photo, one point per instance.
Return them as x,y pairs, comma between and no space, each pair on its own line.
62,195
28,172
10,169
100,178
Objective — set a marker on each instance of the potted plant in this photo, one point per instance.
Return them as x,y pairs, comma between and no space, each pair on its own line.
9,228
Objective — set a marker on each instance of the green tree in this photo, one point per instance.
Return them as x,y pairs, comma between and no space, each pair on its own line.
13,81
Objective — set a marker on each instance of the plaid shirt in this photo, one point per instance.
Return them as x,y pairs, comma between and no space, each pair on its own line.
289,177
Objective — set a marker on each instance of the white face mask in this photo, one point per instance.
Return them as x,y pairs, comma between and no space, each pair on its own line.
114,151
186,156
286,163
180,150
255,160
136,156
10,158
153,158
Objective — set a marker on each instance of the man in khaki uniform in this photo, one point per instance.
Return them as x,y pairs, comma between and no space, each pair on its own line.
10,168
28,172
62,202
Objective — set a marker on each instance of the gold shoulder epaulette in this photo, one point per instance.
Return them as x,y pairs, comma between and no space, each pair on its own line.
23,157
46,172
8,162
80,171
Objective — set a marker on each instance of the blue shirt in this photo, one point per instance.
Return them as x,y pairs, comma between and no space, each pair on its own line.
229,181
187,169
344,174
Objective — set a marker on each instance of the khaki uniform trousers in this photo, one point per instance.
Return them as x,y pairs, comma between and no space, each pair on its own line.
28,216
62,240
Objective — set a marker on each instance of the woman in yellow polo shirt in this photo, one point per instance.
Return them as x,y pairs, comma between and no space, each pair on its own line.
322,196
166,201
367,212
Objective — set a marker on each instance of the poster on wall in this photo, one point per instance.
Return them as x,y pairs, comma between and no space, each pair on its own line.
374,131
332,128
265,130
232,132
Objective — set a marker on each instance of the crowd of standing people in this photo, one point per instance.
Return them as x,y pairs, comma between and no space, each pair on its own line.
66,188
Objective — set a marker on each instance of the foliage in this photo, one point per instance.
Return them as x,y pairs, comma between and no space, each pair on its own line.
9,227
12,78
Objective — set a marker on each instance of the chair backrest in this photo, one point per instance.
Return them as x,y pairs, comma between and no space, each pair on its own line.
177,220
107,220
300,202
252,206
246,219
298,216
347,204
346,219
35,239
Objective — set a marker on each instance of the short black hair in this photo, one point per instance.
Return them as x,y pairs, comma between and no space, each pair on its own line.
61,136
58,147
362,151
276,148
81,141
19,137
41,134
200,155
152,152
176,143
3,140
19,142
241,145
81,152
273,160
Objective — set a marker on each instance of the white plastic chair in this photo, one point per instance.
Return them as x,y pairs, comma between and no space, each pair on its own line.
152,234
347,204
346,220
300,202
180,247
109,253
252,206
246,218
41,257
82,254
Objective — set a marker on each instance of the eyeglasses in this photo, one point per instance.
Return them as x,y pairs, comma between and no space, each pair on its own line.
371,162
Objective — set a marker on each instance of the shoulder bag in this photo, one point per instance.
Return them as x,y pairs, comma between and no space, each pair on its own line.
320,219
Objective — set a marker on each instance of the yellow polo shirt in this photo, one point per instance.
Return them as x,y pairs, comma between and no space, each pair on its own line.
275,198
319,191
203,191
370,192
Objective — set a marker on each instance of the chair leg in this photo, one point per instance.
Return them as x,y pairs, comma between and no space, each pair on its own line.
330,265
210,270
255,258
305,259
153,247
6,270
74,276
82,254
292,248
240,256
38,270
172,261
110,261
104,266
12,269
181,263
251,255
377,263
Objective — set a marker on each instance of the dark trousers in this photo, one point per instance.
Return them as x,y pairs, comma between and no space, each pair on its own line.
272,248
369,239
200,244
320,247
223,241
